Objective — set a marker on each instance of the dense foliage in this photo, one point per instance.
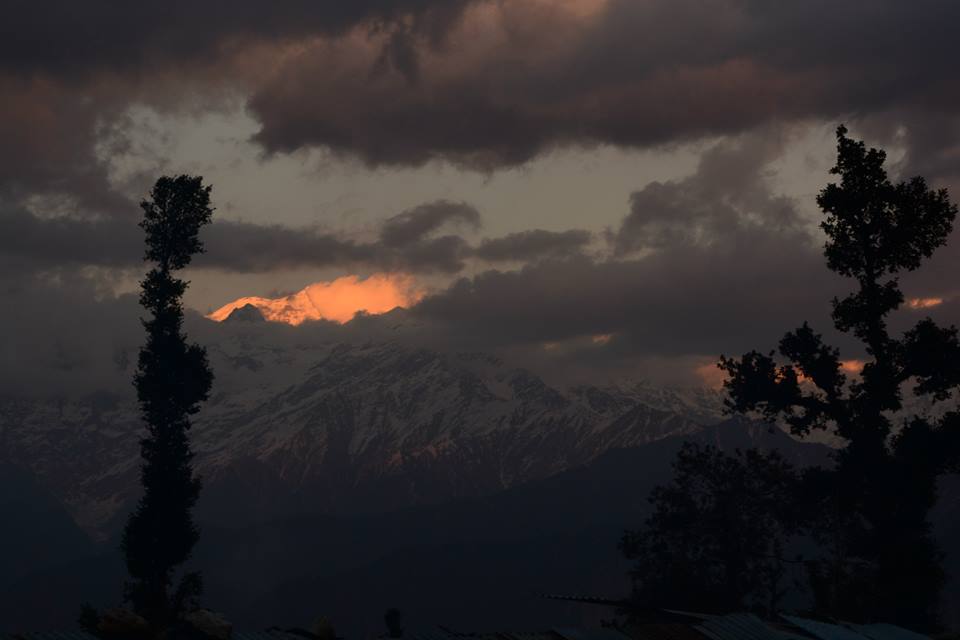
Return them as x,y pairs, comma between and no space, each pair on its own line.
876,557
718,535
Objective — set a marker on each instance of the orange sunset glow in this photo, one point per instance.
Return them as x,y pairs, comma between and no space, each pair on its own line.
339,300
924,303
853,367
712,376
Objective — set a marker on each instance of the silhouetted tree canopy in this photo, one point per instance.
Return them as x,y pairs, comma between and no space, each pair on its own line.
879,559
172,379
717,537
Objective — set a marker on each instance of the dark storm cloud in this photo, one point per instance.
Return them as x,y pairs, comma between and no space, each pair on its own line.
929,140
664,302
47,141
692,302
407,242
723,265
480,83
638,74
250,248
726,197
713,263
31,244
35,244
69,70
61,36
245,247
537,243
415,224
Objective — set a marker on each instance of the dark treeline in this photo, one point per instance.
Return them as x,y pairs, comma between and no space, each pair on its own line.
735,532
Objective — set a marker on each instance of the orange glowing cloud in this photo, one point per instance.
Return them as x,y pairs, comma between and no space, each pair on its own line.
852,366
924,303
339,300
711,375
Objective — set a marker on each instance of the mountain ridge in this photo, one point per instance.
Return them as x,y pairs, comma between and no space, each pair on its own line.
344,428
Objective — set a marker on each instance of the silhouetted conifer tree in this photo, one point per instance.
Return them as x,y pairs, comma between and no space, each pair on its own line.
882,562
172,378
717,536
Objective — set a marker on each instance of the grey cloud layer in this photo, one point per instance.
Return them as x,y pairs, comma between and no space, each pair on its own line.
726,200
536,243
671,293
414,225
64,37
408,242
715,262
711,262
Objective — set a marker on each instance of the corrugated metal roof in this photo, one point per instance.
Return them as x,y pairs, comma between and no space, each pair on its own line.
272,634
533,635
565,633
664,631
883,631
739,626
444,633
48,635
269,634
429,634
692,614
824,630
611,602
594,633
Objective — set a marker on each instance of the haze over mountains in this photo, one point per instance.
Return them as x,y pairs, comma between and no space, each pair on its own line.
345,477
334,427
322,459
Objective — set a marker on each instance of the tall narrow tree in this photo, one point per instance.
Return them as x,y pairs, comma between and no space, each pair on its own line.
172,379
883,562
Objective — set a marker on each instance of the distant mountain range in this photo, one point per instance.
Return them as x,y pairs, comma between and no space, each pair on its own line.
345,429
341,479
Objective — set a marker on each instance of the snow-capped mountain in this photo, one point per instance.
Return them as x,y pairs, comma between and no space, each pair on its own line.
344,428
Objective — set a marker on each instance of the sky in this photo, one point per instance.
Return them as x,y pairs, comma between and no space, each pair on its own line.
605,188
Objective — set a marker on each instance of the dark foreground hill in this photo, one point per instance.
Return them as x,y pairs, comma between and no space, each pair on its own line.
474,563
469,561
36,533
